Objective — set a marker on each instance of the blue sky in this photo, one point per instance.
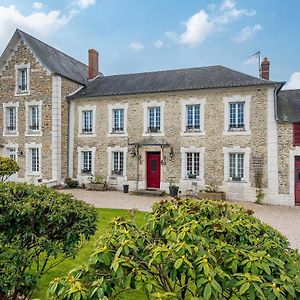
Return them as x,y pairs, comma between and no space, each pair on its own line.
140,35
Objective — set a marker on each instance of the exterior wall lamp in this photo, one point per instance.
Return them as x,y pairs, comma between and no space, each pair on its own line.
171,152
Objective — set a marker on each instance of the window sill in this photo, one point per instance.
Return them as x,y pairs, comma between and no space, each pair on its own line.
160,133
236,132
236,181
193,133
192,179
34,133
88,134
11,133
117,134
27,93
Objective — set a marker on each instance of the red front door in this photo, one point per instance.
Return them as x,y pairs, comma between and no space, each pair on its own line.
153,170
297,180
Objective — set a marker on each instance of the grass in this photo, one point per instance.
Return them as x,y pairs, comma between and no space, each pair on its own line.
104,218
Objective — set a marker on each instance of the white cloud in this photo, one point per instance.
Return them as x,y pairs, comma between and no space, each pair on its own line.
39,24
38,5
85,3
247,32
227,4
136,46
294,82
158,44
233,14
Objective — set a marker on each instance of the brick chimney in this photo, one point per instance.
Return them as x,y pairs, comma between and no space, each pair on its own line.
93,63
265,69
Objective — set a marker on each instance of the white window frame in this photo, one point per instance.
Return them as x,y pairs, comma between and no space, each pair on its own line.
28,148
19,67
110,151
28,105
184,104
80,151
81,109
237,150
111,108
8,147
146,106
192,149
5,107
235,99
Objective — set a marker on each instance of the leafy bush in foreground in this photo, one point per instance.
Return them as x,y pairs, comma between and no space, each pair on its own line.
188,250
8,167
36,224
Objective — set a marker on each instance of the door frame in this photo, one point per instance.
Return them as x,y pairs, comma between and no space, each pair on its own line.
147,155
296,166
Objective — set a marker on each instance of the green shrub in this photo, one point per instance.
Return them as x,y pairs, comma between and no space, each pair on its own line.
71,183
188,249
37,223
8,167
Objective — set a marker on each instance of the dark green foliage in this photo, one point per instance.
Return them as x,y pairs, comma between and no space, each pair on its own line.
71,183
37,223
8,167
188,249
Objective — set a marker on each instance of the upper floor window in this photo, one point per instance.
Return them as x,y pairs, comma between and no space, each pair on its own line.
22,79
35,160
87,119
236,166
86,162
34,118
192,164
118,163
11,118
118,120
296,131
236,116
153,119
193,117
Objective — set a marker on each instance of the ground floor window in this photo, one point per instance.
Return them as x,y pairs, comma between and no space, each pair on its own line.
12,153
86,161
236,166
118,163
35,160
192,164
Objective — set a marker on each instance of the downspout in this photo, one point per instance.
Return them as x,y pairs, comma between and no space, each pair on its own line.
276,90
137,168
68,138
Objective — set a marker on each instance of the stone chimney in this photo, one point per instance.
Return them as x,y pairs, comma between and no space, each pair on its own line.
265,69
93,63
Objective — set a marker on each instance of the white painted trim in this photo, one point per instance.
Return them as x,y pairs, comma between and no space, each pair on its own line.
56,128
237,149
79,161
183,151
148,104
28,172
293,153
17,68
81,109
29,132
11,146
5,106
71,139
192,101
237,98
111,107
110,150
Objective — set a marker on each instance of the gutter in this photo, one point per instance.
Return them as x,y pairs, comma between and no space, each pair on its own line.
276,91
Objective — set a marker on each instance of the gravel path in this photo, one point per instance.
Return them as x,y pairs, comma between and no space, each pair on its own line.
286,219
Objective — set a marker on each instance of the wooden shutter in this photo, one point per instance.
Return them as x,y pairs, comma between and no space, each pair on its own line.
296,134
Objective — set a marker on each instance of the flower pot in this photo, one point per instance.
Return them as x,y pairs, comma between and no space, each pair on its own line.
173,190
211,195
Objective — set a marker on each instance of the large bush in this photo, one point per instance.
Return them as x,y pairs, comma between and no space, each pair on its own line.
188,250
8,167
37,224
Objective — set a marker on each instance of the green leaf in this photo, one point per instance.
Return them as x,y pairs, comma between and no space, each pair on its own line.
244,288
178,263
207,292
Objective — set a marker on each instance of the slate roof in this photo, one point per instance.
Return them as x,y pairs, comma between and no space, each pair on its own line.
171,80
55,60
288,106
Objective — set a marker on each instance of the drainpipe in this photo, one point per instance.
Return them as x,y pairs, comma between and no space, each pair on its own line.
68,138
276,90
137,167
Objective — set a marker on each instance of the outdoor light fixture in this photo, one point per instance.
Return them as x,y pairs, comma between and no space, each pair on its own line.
171,152
133,152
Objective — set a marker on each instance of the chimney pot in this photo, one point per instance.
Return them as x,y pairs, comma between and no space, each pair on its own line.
265,69
93,64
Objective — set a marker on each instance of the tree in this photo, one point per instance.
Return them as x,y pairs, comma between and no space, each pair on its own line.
39,228
8,167
188,249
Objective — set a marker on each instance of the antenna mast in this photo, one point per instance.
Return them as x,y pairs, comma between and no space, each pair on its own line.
257,54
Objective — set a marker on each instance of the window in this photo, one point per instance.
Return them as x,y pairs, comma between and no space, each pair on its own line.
118,120
22,80
12,153
11,119
192,164
118,163
154,119
236,116
87,119
34,118
86,162
35,160
193,117
236,166
296,130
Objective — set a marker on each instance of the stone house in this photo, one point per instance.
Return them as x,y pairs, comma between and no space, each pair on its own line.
189,127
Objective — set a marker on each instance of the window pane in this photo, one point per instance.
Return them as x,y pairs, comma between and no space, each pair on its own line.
35,164
87,161
236,115
232,165
118,163
153,119
11,118
118,122
87,121
34,117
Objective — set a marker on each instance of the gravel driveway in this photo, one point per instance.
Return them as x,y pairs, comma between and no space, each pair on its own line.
284,218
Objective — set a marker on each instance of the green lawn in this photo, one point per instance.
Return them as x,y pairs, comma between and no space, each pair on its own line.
105,216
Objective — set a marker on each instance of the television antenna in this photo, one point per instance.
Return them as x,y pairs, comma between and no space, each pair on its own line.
257,54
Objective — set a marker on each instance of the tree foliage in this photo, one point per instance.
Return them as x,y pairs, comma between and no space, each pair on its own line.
8,167
188,250
37,223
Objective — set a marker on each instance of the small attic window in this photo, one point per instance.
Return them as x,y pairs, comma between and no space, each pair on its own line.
22,79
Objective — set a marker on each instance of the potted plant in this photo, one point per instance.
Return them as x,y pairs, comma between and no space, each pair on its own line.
173,189
97,183
211,192
192,176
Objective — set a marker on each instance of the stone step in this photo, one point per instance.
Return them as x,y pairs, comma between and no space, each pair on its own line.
150,192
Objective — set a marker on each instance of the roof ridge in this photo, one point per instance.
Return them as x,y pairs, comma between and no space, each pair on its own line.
23,32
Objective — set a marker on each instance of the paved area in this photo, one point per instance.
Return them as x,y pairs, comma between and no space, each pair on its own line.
284,218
